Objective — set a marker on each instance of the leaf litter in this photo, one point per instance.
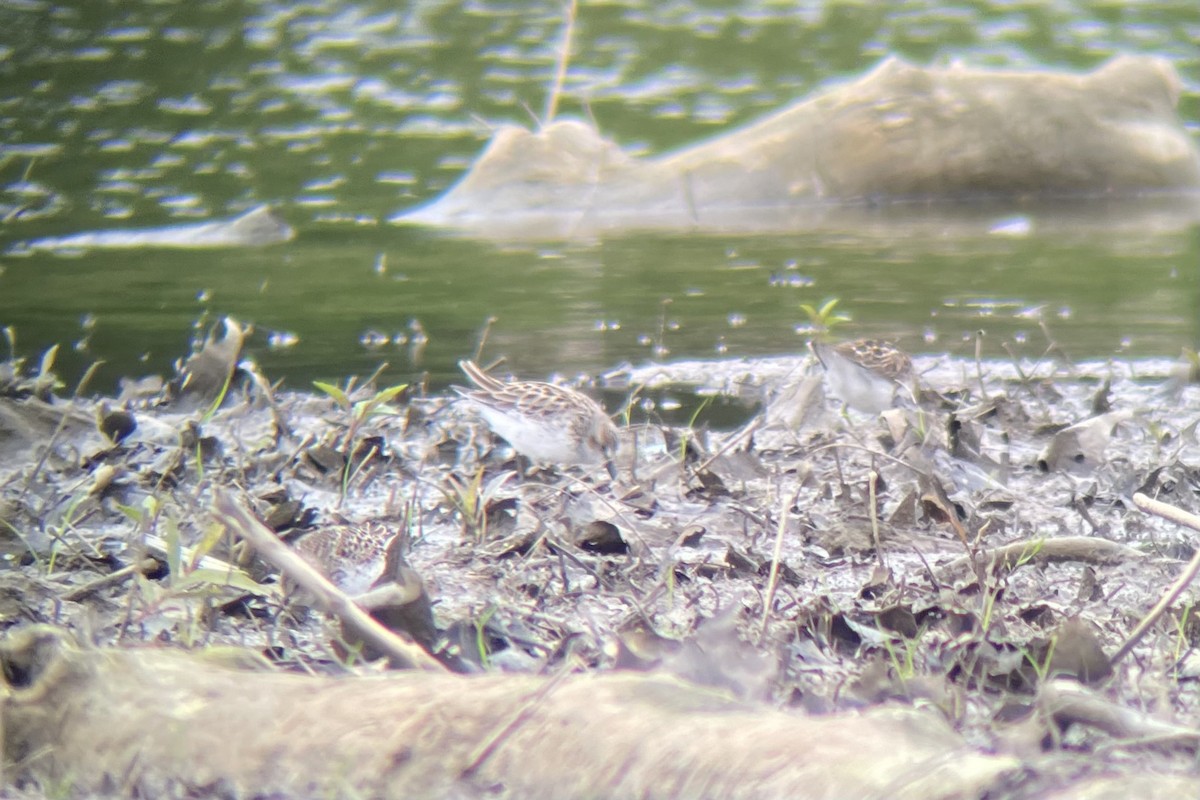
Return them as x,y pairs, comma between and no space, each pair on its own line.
978,554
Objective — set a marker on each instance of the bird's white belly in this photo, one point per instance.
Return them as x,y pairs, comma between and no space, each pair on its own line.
861,390
542,441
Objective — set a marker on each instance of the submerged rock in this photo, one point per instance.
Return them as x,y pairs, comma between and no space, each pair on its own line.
258,226
901,132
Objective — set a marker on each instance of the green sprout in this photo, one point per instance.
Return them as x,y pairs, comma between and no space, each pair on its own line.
359,412
691,428
481,645
823,320
473,498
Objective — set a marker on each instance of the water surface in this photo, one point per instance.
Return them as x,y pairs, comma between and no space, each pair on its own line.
340,114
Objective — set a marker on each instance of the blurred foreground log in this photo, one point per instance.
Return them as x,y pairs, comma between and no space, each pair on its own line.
152,722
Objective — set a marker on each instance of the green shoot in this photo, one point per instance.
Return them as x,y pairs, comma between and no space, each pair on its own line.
481,636
691,427
339,396
1181,626
365,409
627,410
823,320
1042,668
219,399
359,412
1030,553
472,499
903,668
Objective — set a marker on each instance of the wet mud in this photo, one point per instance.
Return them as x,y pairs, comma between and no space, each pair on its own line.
975,558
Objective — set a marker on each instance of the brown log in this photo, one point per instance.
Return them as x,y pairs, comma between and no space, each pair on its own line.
158,722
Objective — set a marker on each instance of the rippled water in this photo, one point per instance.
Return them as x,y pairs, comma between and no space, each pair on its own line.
340,114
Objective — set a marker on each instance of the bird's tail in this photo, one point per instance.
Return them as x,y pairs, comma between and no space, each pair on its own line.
479,377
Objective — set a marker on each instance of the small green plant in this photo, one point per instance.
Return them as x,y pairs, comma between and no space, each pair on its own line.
195,580
990,594
481,645
471,499
1029,553
823,320
691,427
1042,667
362,410
904,664
626,412
219,399
40,383
1181,631
359,412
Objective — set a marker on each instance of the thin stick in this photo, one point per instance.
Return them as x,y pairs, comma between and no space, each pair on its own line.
62,424
872,481
1086,549
140,568
979,364
773,576
326,596
564,58
1179,517
483,337
733,441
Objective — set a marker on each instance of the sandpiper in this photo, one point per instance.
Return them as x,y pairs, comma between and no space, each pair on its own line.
866,373
548,424
351,556
365,561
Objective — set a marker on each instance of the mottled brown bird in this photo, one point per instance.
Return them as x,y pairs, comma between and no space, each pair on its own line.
546,423
865,374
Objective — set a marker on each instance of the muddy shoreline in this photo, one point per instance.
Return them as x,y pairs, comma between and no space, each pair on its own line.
817,561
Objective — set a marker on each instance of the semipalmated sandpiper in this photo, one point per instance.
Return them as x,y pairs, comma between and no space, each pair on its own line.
546,423
365,561
866,373
351,556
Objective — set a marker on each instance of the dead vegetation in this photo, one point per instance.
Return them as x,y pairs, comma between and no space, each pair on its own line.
969,576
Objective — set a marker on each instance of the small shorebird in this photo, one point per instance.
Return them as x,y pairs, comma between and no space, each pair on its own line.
365,561
548,424
866,373
353,557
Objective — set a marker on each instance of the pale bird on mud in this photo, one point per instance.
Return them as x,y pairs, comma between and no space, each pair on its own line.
547,424
866,374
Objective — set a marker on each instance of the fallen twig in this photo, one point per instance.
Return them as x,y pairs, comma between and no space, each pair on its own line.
325,595
776,555
1066,548
141,567
1066,701
1179,517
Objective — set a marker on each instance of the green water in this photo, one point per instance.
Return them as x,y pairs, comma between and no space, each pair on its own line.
340,114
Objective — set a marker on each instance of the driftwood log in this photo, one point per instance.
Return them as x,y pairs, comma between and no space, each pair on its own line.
157,722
